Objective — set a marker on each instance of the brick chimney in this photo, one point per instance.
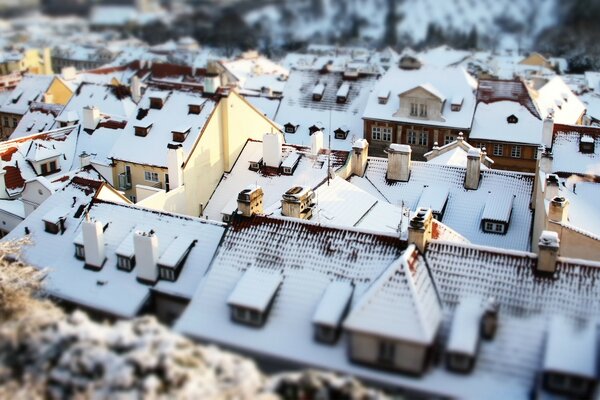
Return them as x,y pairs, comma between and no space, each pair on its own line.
175,165
145,246
548,248
399,160
558,211
547,132
298,202
272,149
420,228
360,154
473,169
250,201
93,243
90,117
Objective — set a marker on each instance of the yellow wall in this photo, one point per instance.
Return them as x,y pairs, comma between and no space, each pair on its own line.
137,176
60,93
536,59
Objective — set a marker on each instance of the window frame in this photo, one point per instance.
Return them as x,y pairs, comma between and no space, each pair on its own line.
79,251
411,136
414,109
423,138
423,110
498,150
386,352
386,134
151,174
516,151
376,133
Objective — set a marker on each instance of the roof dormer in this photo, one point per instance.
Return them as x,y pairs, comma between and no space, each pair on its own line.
253,296
171,261
180,134
142,130
331,310
318,91
158,100
512,119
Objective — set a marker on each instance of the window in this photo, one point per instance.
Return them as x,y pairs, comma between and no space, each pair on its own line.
194,108
151,176
79,251
125,263
156,103
424,138
386,352
167,184
498,150
422,110
567,384
411,136
376,133
459,362
493,227
449,139
325,334
247,316
167,274
52,166
290,128
44,168
386,134
15,122
515,152
512,119
6,121
414,108
53,228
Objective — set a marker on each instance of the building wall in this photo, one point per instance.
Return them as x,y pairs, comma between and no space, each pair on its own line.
408,357
8,123
59,92
137,176
525,163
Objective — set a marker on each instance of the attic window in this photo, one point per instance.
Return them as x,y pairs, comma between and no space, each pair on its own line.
331,310
383,96
49,167
253,296
587,144
156,103
497,212
457,103
126,254
255,165
172,260
342,93
194,108
290,128
79,251
142,130
318,91
54,221
512,119
180,135
341,134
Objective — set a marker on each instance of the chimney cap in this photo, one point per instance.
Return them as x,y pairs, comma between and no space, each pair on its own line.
399,148
559,200
360,144
174,146
474,153
552,179
549,239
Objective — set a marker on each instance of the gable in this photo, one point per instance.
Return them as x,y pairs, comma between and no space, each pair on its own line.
421,93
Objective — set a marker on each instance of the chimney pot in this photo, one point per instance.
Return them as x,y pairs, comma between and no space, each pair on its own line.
145,247
272,149
548,249
250,201
399,161
360,154
91,117
473,172
175,165
420,228
93,243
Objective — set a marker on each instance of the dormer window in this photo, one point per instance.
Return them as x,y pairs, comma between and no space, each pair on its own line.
318,91
290,128
142,131
156,103
194,108
587,144
342,93
512,119
341,134
126,254
172,260
253,296
331,310
179,135
313,129
456,103
54,221
383,96
463,341
79,251
49,167
497,212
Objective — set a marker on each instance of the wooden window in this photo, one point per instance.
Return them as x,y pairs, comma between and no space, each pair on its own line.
15,122
6,121
376,133
151,176
44,168
411,136
498,150
449,139
424,138
125,263
325,334
423,110
156,103
386,134
194,109
512,119
515,152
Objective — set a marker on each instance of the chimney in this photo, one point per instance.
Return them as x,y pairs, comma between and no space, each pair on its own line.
68,73
473,169
175,165
145,247
399,159
93,243
136,89
489,319
298,202
272,150
48,98
250,201
360,154
551,187
558,210
316,142
90,117
212,83
84,159
548,248
547,132
420,228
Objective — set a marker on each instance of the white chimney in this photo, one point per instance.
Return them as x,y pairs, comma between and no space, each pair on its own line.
145,246
68,73
84,159
91,117
93,243
551,187
316,142
272,149
547,131
399,160
360,154
473,169
558,211
175,165
48,98
136,89
548,248
212,83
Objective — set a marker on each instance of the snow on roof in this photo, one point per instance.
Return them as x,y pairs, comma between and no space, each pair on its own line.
111,290
466,324
464,207
39,118
152,149
443,82
555,95
267,106
254,73
566,155
30,89
298,108
333,304
491,123
498,206
176,251
68,116
55,215
454,154
571,348
401,304
14,207
309,172
255,289
443,56
433,197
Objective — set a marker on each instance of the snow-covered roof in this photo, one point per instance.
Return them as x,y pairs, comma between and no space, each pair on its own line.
454,154
30,89
567,158
443,56
333,304
177,250
401,304
152,148
571,348
498,207
38,118
111,290
433,197
556,98
298,108
491,122
464,208
445,83
255,289
466,325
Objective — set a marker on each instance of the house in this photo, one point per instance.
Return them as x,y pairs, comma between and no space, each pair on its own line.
554,98
124,260
31,60
537,60
30,89
419,107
